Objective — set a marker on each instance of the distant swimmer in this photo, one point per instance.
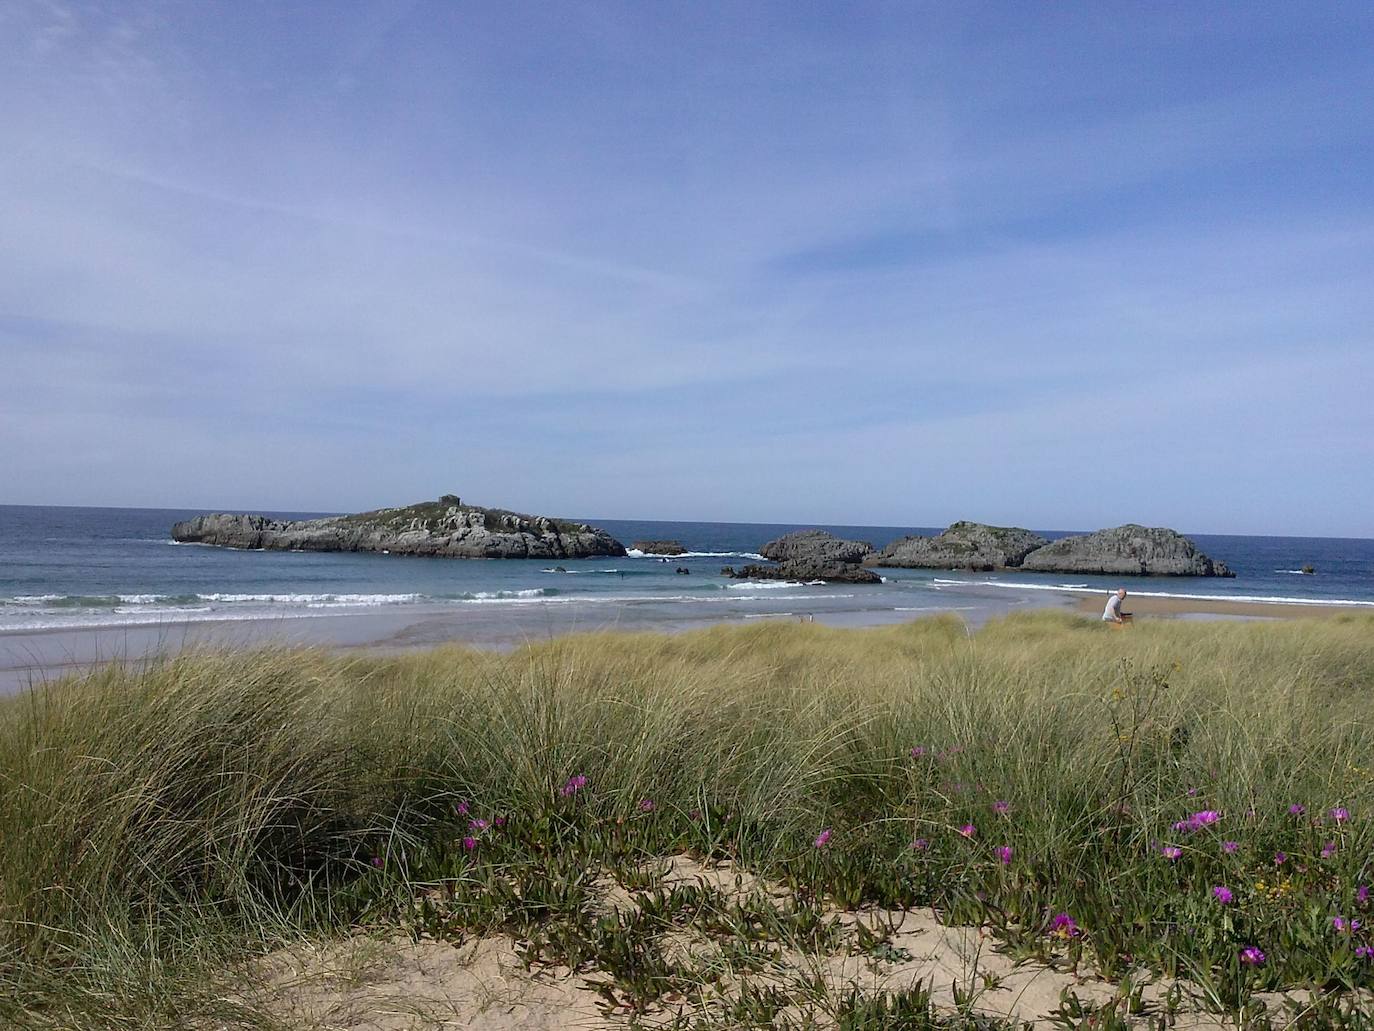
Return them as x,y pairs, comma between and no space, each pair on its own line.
1112,613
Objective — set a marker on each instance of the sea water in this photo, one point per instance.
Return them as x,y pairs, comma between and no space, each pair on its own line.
69,568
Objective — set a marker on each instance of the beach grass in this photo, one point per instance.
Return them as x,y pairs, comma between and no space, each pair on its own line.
1194,800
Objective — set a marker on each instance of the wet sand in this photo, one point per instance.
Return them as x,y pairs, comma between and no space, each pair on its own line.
1141,605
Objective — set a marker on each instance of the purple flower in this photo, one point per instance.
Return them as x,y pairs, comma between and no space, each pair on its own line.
461,808
1252,955
918,751
968,830
646,805
1280,858
1296,809
1064,926
1004,853
823,838
469,844
1362,894
1001,808
377,861
1229,847
920,844
1364,952
1222,894
1171,852
574,785
1345,926
1198,820
1340,814
477,825
1328,850
499,821
1192,792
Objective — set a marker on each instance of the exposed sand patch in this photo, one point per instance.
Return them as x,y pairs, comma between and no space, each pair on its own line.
399,985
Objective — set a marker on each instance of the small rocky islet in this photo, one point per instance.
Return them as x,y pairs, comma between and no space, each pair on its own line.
446,528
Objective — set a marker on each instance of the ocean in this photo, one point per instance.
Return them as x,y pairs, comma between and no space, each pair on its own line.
74,569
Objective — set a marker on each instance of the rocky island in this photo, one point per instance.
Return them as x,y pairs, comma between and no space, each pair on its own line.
811,555
1129,550
964,545
446,528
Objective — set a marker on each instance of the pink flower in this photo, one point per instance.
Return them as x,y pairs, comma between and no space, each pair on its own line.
1252,956
1296,809
477,825
1171,852
1064,926
646,805
1229,847
1328,850
1001,808
469,844
918,751
823,838
1004,853
1340,814
499,821
574,785
968,830
377,861
1192,792
461,808
1222,894
920,844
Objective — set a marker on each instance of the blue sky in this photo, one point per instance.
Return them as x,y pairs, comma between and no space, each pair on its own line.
1058,265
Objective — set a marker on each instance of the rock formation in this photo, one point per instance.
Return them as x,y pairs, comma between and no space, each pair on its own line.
659,547
811,555
1128,550
963,546
445,528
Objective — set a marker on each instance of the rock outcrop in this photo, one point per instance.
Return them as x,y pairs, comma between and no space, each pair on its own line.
659,547
811,555
964,545
1128,550
816,546
445,528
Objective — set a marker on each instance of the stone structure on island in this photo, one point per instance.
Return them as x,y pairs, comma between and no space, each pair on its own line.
446,528
1128,550
811,555
964,545
659,547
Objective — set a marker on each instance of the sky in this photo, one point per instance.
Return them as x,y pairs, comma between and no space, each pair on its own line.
1051,265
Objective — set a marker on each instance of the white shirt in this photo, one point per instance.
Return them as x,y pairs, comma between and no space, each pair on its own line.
1113,610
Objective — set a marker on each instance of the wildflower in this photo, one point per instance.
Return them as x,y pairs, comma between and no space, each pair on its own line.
823,838
1004,853
920,844
461,809
499,821
1362,894
469,844
1296,809
1192,792
918,751
1222,894
1064,926
646,805
1345,926
1280,858
968,830
377,861
1364,952
1001,808
477,825
1171,852
574,785
1340,814
1252,955
1229,847
1328,850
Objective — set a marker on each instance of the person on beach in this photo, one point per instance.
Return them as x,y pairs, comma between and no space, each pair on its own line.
1112,613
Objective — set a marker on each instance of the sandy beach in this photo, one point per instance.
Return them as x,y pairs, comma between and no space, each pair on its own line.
1142,605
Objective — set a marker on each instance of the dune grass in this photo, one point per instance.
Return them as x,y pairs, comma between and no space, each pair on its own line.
1082,792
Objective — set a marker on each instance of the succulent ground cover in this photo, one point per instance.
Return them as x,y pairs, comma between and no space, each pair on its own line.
776,825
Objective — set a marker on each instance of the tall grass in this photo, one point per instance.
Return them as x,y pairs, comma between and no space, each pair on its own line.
157,822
